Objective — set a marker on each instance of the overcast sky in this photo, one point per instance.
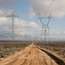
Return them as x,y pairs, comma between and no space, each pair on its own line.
27,25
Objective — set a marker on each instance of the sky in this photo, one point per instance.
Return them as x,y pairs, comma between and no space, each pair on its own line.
27,23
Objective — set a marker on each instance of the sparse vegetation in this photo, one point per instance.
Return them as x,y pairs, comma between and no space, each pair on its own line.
8,48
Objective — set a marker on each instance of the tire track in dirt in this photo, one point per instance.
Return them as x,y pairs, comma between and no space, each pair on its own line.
33,55
56,58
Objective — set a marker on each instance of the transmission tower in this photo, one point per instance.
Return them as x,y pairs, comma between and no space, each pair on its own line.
12,16
45,24
45,27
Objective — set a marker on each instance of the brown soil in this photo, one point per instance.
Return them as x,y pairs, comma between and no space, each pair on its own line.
31,55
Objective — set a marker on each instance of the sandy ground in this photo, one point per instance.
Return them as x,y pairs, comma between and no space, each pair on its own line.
31,55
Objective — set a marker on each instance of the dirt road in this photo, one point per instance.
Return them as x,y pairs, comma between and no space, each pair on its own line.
33,55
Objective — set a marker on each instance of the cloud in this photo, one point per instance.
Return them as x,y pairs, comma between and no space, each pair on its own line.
5,19
7,12
20,24
26,27
49,7
31,12
7,2
23,28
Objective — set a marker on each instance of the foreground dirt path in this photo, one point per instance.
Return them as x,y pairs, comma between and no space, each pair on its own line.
32,55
